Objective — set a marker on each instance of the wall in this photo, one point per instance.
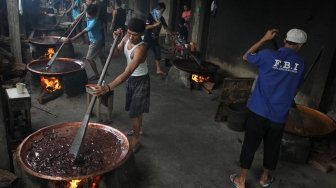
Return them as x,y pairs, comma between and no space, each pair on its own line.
240,23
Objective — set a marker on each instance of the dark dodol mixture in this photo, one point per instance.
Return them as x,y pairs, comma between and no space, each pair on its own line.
50,155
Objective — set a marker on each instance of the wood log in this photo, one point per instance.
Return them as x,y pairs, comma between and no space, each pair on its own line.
46,96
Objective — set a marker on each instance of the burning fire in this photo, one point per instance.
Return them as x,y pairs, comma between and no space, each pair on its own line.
50,84
199,78
73,183
50,53
92,182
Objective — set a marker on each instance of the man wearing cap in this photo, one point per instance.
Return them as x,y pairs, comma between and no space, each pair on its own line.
135,75
280,74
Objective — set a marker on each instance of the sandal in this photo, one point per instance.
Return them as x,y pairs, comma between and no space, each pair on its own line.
233,178
268,183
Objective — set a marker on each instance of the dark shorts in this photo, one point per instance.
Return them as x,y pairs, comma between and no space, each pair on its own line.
260,129
137,95
155,46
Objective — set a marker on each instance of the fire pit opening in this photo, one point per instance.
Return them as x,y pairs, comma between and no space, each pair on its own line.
65,74
194,75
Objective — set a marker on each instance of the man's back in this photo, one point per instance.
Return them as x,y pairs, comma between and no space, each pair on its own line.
280,74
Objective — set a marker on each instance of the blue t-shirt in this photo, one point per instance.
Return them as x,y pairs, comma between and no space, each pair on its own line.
76,9
94,29
280,75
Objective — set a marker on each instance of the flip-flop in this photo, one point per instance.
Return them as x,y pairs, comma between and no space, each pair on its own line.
268,184
232,179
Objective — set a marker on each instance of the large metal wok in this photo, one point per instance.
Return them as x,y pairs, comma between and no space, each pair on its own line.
41,44
191,66
315,123
61,66
113,155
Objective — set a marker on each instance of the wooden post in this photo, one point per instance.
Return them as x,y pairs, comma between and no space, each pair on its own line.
14,29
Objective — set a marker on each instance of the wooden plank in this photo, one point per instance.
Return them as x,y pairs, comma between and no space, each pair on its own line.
14,29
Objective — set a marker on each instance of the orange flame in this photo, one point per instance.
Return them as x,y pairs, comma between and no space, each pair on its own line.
50,53
50,84
92,182
74,183
200,78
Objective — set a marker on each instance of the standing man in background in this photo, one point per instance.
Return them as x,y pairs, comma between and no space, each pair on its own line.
154,23
96,47
118,17
280,74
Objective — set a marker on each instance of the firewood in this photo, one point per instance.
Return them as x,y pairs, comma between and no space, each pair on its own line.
46,96
19,66
6,53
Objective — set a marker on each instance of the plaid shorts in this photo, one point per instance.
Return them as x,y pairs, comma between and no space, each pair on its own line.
137,95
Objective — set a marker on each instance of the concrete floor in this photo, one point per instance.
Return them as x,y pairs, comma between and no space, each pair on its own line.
183,146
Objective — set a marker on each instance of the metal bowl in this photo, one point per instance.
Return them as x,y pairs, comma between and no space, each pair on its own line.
69,130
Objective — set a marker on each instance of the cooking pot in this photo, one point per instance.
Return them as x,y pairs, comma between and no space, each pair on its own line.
315,123
40,45
59,67
113,155
46,29
47,19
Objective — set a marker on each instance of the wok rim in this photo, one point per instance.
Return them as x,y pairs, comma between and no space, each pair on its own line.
79,62
60,39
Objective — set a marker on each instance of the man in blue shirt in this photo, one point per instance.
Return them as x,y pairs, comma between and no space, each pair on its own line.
280,74
96,47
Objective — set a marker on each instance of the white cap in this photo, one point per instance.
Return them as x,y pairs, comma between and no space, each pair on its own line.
297,36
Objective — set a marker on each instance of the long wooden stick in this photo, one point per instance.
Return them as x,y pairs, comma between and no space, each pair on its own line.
77,141
51,61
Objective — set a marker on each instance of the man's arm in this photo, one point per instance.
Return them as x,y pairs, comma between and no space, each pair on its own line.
269,35
78,35
114,13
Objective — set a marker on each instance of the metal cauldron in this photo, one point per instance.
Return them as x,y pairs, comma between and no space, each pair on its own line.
68,130
40,45
315,123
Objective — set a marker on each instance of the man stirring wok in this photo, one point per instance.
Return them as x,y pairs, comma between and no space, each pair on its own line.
135,75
